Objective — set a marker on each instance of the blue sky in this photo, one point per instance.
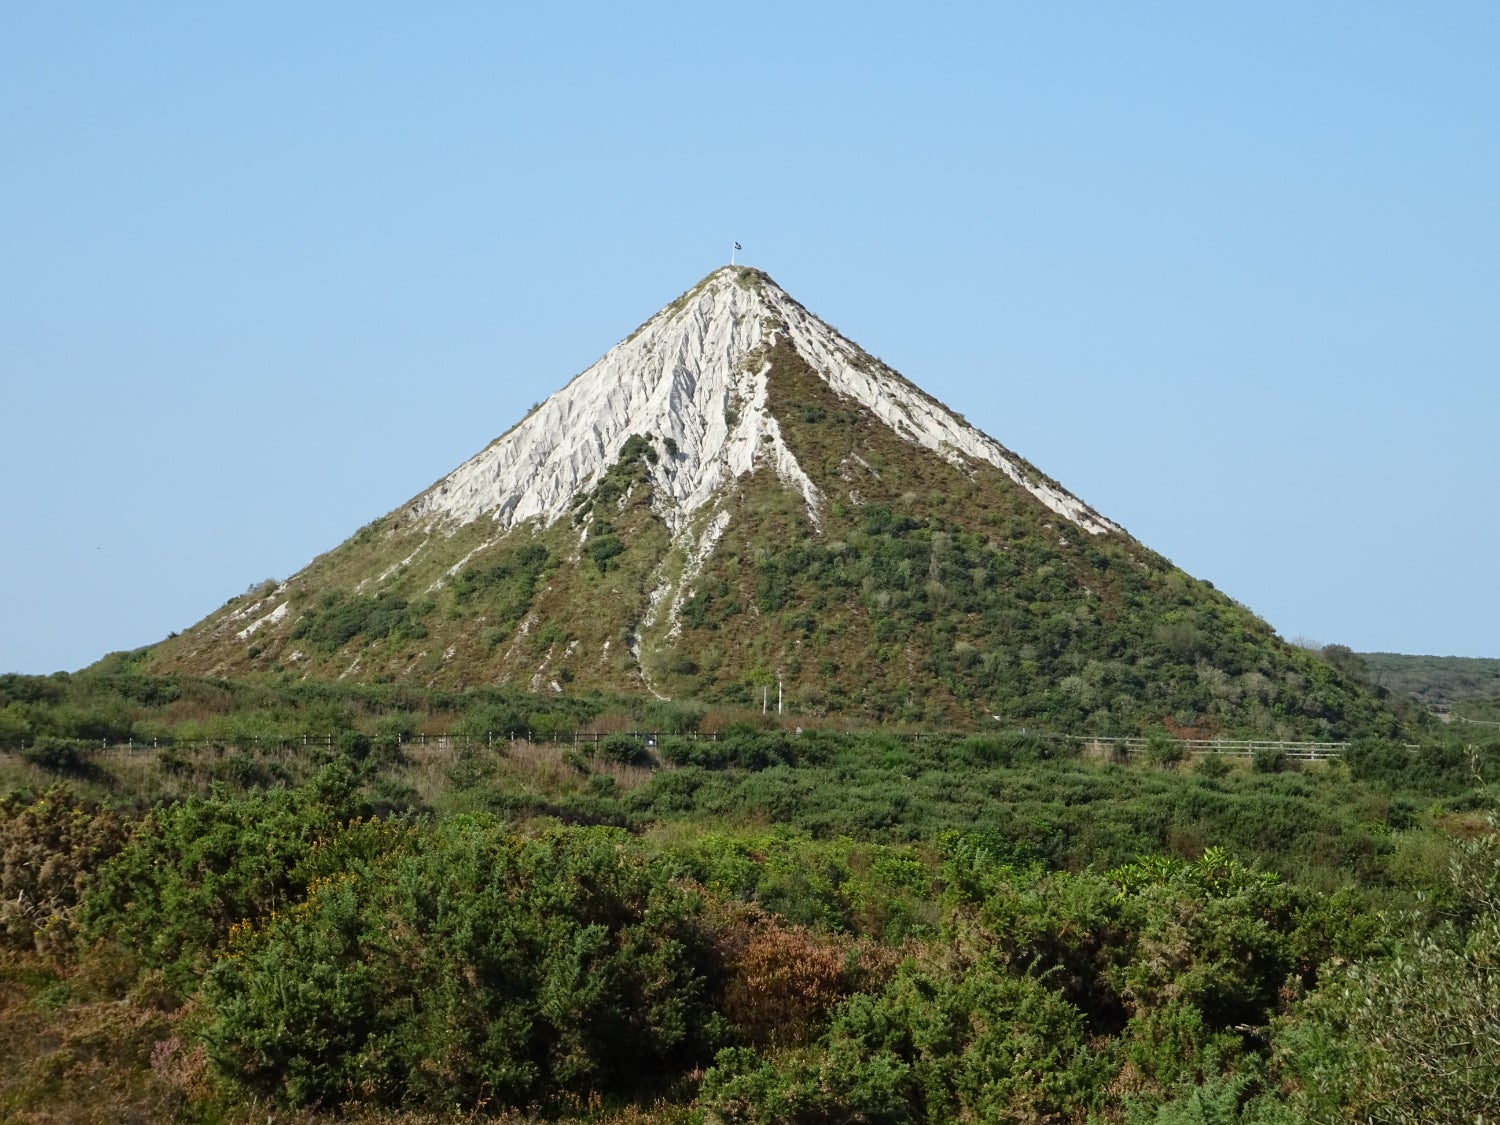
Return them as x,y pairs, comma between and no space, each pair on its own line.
1231,273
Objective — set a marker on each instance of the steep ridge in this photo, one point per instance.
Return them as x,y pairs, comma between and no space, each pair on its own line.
737,496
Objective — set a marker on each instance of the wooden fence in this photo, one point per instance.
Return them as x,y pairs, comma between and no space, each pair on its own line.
1241,748
1229,747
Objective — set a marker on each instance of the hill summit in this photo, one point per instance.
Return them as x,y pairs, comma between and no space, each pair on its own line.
735,497
697,376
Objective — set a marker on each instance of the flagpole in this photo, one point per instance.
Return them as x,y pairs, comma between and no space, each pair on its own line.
733,246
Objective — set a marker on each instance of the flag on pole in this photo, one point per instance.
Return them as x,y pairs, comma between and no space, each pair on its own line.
737,246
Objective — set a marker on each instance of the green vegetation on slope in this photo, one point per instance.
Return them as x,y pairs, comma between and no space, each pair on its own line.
931,591
934,592
1436,681
771,927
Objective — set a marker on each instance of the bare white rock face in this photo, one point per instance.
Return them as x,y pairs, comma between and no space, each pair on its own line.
697,373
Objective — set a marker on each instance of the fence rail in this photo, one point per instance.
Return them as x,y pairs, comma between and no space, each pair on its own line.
1243,748
328,741
1229,747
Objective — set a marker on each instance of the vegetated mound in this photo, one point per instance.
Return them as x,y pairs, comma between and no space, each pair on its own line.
738,504
854,927
1435,681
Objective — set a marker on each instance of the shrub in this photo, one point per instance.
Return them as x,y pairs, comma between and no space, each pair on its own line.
1214,934
975,1044
1163,750
1269,759
755,750
390,797
58,755
340,618
679,663
626,749
193,872
14,727
472,766
471,964
780,981
603,544
1411,1038
1211,765
246,771
49,848
353,745
675,718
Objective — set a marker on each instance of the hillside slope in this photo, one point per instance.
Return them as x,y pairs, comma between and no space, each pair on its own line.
737,497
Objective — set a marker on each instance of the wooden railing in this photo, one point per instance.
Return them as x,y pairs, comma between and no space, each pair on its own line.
1242,748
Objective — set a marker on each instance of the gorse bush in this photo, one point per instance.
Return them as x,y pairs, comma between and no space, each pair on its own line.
780,981
49,848
192,872
626,749
341,618
969,1043
57,755
470,964
1415,1037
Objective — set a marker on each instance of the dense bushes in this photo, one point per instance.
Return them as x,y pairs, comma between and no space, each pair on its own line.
1045,992
57,755
50,846
1414,1038
820,927
194,871
341,618
739,748
503,589
470,964
940,1043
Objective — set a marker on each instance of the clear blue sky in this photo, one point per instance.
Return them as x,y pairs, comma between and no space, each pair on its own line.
1229,272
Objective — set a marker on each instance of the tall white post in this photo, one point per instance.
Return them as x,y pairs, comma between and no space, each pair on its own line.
733,246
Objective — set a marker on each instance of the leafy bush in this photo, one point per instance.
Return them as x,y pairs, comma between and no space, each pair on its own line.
626,749
1412,1038
1215,934
603,544
58,755
49,848
193,872
340,618
1163,750
673,717
780,981
973,1043
743,748
502,585
1211,765
1270,759
470,964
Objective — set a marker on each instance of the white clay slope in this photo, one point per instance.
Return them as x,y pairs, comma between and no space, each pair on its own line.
693,373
